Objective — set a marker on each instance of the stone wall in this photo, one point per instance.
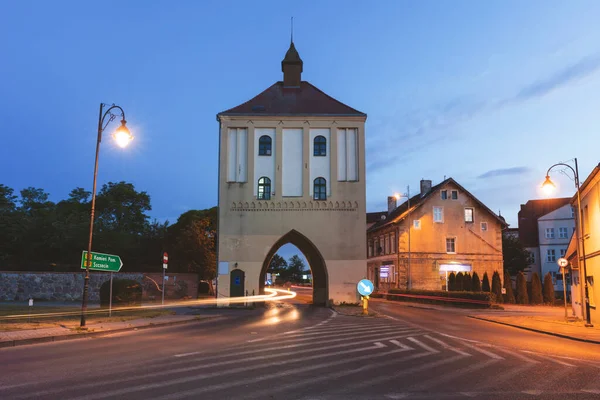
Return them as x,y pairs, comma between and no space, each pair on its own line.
68,286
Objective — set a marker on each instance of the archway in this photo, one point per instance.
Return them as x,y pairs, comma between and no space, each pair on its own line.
315,261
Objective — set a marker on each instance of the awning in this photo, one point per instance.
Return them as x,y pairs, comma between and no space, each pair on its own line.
455,267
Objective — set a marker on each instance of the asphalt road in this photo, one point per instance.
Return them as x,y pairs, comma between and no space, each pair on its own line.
294,351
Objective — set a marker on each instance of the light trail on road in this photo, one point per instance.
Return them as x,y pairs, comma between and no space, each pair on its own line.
273,295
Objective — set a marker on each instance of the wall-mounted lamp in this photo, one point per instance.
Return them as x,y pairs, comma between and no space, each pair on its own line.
235,265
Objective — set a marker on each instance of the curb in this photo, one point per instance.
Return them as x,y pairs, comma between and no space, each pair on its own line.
72,336
560,335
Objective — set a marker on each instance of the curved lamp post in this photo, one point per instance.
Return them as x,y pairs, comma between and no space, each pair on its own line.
548,187
122,137
398,196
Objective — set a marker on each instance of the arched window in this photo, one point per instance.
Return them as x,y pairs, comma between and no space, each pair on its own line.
264,146
264,188
320,146
320,189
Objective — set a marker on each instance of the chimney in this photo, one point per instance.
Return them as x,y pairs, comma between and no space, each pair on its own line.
391,204
425,187
292,68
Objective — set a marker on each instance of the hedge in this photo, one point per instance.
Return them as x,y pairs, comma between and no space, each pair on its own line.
125,292
459,299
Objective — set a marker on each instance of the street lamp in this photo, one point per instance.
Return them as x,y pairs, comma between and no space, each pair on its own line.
548,186
398,196
122,137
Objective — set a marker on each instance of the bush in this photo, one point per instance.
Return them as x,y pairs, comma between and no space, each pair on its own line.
548,289
509,297
203,287
125,292
481,299
522,296
536,290
497,286
485,286
459,282
467,282
475,283
452,282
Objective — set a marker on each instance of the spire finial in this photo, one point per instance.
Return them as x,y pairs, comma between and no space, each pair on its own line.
292,32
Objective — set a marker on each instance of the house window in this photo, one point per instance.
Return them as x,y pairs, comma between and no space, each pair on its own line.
264,188
438,214
468,215
563,252
370,251
550,255
562,233
417,224
264,146
381,244
320,146
375,246
347,155
320,189
572,212
586,222
393,243
531,257
549,233
483,226
387,244
454,195
444,194
451,245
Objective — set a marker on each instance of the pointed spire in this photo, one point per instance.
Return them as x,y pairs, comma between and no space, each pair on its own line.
292,64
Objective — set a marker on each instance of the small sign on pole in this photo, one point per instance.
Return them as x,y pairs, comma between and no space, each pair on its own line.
165,263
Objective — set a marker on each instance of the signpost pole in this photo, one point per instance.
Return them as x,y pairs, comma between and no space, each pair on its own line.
110,296
163,288
565,292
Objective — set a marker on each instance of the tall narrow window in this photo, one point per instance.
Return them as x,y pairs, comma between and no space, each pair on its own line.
468,214
237,147
320,189
264,146
438,214
444,194
393,243
450,245
454,195
320,146
264,188
387,244
347,154
550,255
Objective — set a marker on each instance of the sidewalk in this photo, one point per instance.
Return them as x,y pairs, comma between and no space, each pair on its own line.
30,336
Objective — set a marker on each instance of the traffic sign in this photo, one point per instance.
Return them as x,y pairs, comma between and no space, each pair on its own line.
102,262
165,260
365,287
562,262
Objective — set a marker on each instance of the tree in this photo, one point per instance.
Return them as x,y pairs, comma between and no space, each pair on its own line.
485,286
194,249
548,289
475,283
120,208
8,200
296,267
459,282
509,297
467,280
522,296
277,265
9,223
536,290
452,282
497,287
516,258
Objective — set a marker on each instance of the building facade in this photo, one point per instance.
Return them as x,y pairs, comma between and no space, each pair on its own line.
554,232
292,170
445,229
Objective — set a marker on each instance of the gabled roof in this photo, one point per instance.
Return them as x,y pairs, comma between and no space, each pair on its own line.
373,217
529,214
305,100
417,201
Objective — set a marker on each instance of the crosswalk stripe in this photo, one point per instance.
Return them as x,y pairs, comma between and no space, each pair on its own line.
516,354
447,346
422,345
549,358
482,351
438,379
401,345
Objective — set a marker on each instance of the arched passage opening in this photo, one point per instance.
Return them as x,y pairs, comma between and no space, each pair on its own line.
315,260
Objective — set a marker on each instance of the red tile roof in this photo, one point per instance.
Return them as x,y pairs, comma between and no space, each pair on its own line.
305,100
529,214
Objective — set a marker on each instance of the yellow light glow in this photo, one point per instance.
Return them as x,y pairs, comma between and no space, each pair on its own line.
548,186
397,196
122,136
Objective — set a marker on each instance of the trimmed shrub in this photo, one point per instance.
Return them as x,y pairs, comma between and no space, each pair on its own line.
452,282
536,290
497,286
475,283
459,282
509,297
548,289
522,295
485,285
458,299
467,282
125,292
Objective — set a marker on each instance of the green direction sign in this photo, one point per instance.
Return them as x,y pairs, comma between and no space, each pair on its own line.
102,262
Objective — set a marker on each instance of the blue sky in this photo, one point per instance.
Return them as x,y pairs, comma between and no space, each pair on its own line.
491,93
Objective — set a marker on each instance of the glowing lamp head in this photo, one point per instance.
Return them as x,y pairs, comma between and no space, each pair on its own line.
122,135
548,186
397,196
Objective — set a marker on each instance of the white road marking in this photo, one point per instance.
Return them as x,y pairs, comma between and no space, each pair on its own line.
595,391
533,392
482,351
401,345
422,345
548,358
515,353
447,346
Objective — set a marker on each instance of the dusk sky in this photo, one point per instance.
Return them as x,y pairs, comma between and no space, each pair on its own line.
490,93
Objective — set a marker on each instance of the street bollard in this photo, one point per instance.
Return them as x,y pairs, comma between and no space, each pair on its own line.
365,301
